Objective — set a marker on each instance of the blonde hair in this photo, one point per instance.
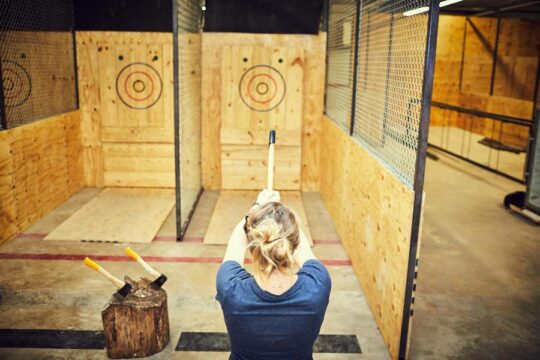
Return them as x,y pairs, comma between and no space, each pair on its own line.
273,236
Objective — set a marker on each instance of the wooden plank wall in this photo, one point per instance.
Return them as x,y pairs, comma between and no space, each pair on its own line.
372,211
40,167
243,161
467,84
123,144
314,48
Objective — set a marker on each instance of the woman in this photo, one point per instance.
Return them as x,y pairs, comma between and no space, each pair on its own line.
276,314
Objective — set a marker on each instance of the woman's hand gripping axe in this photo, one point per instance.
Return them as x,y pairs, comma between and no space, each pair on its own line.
159,277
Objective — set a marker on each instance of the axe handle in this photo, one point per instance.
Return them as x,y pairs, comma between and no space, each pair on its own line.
132,254
95,266
271,142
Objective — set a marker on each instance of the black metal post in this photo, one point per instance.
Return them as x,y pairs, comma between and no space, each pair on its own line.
327,3
427,89
532,130
76,73
355,65
176,94
495,56
3,119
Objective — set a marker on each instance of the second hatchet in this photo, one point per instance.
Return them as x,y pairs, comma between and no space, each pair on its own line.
159,277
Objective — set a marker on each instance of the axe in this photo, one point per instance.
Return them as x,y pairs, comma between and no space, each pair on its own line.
123,287
271,142
159,277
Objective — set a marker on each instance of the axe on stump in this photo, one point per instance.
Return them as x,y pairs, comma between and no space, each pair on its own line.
159,277
123,287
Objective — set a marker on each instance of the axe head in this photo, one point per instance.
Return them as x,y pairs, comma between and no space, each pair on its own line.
160,280
124,290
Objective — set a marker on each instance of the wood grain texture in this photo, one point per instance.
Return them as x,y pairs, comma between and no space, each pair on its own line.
372,211
137,325
107,120
123,215
243,163
314,50
231,207
40,167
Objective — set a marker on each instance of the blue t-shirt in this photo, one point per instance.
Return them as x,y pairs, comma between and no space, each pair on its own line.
262,325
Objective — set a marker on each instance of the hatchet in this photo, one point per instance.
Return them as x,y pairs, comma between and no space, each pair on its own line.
123,287
159,277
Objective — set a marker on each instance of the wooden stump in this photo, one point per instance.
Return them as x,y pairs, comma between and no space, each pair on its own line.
137,325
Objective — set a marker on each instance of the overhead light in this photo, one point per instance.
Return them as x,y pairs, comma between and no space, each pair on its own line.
204,7
424,9
416,11
448,2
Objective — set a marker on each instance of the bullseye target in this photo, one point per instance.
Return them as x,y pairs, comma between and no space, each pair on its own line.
139,86
16,82
262,88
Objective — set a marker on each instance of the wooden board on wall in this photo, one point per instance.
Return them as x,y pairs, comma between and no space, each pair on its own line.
125,86
40,167
372,211
262,89
314,49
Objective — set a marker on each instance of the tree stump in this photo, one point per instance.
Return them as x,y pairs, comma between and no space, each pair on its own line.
137,325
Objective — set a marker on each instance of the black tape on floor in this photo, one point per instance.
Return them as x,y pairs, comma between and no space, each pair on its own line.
188,341
211,341
51,339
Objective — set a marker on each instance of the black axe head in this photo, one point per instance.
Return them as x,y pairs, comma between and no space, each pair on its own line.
160,281
124,290
272,137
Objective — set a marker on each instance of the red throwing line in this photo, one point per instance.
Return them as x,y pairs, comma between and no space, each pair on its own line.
162,259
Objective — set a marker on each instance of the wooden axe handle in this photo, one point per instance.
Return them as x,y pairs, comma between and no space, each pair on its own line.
95,266
132,254
271,142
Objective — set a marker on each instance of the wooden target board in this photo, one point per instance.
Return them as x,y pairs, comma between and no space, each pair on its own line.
17,83
261,89
135,96
139,85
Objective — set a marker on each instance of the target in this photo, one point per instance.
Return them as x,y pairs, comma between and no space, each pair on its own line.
262,88
16,82
139,86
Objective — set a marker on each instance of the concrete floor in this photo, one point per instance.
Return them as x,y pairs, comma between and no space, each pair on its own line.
55,291
478,289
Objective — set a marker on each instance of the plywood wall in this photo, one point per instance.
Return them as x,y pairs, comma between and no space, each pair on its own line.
40,167
372,211
126,100
464,63
310,106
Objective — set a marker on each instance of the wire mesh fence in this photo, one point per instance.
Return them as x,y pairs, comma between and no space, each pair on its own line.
390,81
189,27
390,60
37,60
342,18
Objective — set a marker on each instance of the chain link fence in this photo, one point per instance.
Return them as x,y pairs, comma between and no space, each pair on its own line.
37,60
342,18
189,32
387,96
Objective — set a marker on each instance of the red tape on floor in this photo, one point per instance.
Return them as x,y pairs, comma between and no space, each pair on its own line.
164,259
